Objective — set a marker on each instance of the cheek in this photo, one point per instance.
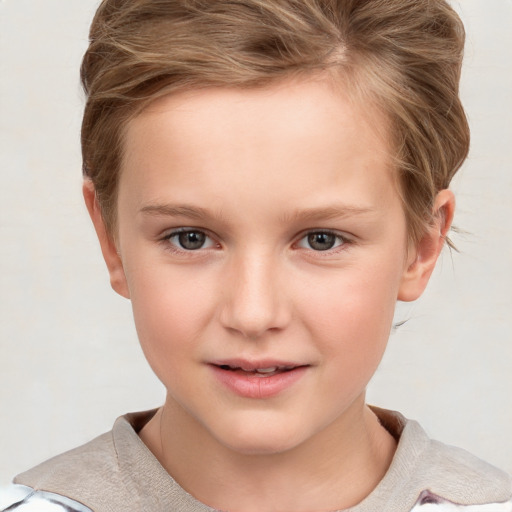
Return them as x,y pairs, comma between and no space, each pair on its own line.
351,332
352,313
171,309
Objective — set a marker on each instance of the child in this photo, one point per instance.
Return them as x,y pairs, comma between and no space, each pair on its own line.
266,180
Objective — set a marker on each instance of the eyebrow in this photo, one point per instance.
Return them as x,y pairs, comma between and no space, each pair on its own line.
172,210
327,213
307,214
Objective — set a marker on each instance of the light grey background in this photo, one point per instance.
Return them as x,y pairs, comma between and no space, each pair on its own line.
69,357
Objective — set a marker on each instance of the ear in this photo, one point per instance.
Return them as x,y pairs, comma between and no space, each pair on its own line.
108,247
423,257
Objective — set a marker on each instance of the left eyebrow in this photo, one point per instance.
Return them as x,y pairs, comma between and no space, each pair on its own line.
328,213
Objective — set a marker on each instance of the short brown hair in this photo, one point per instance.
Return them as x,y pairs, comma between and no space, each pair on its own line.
404,55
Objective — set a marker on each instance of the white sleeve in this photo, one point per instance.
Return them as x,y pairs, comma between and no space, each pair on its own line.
428,502
19,498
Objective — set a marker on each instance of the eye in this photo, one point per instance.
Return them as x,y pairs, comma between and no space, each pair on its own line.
321,241
190,239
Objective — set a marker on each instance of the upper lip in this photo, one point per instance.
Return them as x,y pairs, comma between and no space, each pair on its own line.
253,365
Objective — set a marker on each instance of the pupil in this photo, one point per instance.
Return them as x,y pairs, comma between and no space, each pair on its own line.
192,240
321,241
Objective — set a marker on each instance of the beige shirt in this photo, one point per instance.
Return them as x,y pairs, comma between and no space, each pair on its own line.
117,473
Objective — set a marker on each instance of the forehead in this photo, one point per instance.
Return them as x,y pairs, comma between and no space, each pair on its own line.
264,139
285,104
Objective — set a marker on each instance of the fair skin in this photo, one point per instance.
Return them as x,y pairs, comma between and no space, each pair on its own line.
261,229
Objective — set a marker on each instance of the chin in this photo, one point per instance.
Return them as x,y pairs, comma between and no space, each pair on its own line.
261,438
260,446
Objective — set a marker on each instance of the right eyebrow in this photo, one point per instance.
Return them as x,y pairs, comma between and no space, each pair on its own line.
176,210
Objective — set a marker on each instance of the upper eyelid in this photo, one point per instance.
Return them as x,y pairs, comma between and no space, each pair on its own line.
341,234
169,233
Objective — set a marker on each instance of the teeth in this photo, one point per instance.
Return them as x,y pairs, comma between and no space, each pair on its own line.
267,370
263,371
260,370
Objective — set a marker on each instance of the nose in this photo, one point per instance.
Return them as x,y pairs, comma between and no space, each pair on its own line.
255,301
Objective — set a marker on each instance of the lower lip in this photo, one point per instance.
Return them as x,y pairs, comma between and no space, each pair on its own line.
253,386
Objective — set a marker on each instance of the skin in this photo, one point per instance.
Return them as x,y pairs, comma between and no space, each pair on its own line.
258,171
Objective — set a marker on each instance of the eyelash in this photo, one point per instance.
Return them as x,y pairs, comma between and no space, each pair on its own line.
342,241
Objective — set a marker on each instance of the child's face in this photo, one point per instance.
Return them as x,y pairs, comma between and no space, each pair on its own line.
259,229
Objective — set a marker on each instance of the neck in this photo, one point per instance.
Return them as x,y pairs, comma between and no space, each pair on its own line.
336,469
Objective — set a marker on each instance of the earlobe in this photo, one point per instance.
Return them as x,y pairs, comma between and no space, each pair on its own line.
423,257
108,246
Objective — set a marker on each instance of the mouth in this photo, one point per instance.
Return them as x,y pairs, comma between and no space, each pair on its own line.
258,379
262,371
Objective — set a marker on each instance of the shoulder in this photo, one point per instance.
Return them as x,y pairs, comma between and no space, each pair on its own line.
431,462
111,473
92,462
101,463
19,498
427,475
455,474
462,469
86,475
